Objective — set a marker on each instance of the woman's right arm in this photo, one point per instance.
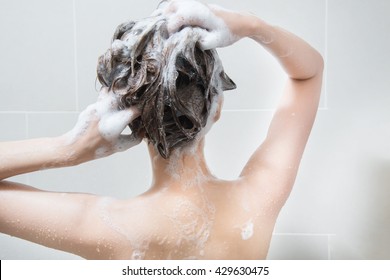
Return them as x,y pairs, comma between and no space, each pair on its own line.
65,221
96,134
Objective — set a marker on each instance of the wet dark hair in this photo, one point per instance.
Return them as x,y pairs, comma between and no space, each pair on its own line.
167,77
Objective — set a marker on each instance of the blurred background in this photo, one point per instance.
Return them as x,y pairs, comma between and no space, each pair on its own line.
339,207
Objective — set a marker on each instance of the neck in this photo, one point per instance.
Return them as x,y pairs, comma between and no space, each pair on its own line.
186,167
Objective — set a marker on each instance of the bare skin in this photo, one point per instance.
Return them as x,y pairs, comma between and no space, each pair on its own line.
187,212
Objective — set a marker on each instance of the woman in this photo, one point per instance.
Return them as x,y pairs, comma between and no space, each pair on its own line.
187,213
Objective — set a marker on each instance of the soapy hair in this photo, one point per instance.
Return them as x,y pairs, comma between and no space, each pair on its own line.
168,78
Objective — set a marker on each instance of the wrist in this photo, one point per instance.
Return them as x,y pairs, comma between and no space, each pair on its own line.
64,152
261,31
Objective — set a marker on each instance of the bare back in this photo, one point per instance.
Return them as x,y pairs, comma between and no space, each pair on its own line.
217,220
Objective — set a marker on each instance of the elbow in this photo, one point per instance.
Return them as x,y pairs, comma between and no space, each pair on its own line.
314,68
318,65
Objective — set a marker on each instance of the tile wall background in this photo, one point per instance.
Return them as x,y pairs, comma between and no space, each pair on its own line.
339,208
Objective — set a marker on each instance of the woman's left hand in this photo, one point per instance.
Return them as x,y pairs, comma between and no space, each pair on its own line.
220,27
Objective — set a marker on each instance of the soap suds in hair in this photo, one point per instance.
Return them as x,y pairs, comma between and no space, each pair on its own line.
168,77
215,33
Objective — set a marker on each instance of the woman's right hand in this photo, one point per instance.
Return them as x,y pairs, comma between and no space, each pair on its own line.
98,131
221,27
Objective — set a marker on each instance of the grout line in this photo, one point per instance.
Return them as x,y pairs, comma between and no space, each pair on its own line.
75,57
304,234
39,112
26,125
329,255
262,110
326,54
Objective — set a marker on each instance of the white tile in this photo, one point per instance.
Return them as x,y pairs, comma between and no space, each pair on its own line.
50,124
37,54
361,210
12,126
359,58
233,139
357,246
295,247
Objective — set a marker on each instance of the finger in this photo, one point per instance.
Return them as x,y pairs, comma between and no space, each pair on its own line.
186,13
160,8
130,114
84,120
113,124
162,4
209,40
174,24
87,112
107,102
216,39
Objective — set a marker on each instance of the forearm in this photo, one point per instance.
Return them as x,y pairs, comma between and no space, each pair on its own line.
299,59
31,155
96,134
224,27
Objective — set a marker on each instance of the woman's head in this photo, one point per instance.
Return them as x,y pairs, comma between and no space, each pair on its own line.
175,85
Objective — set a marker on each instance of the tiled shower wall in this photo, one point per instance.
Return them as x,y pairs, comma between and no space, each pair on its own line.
339,208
